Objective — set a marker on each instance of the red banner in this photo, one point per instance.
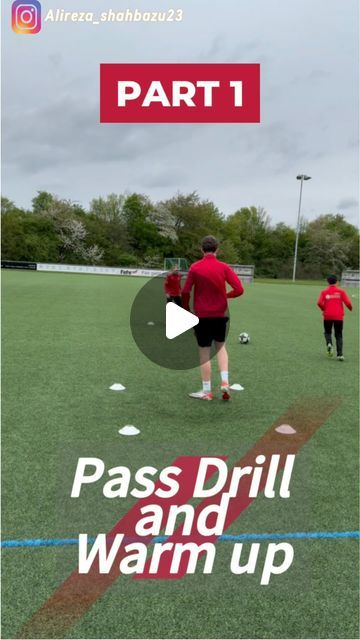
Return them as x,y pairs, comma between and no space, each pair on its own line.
179,93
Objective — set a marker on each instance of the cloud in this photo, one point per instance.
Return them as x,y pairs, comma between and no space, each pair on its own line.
52,134
68,132
55,59
347,203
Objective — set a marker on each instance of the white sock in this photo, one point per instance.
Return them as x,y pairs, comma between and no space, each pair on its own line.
224,376
206,386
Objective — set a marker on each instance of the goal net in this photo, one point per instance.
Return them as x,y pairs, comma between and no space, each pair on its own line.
181,263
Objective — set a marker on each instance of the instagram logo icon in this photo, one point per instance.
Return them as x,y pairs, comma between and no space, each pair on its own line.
26,16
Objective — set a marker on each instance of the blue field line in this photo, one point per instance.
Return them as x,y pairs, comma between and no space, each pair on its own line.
242,537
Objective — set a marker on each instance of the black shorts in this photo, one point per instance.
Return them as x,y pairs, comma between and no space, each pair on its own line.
176,299
210,329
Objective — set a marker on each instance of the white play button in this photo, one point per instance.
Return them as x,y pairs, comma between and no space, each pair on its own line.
178,320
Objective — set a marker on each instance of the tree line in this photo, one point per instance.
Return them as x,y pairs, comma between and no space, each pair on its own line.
131,230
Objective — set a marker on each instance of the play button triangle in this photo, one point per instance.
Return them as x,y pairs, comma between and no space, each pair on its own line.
178,320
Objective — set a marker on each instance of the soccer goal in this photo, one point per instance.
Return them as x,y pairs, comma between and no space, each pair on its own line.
181,263
350,278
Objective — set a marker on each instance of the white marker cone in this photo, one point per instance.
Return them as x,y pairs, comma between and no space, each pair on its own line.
129,430
285,429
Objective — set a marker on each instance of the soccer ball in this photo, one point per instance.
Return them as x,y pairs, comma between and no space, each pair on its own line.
244,338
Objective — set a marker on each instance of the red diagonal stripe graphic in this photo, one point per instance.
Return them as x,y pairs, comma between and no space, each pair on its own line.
77,594
79,591
306,418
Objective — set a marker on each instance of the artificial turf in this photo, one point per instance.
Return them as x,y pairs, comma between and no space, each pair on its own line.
66,339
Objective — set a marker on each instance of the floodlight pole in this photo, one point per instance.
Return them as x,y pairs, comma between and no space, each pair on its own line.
301,177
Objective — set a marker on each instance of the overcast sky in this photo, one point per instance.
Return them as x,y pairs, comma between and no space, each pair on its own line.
308,51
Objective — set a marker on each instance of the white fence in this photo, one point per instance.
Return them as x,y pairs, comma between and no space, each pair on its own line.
350,278
244,271
108,271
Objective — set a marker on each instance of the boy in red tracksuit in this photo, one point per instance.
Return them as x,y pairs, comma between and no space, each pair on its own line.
331,302
209,277
172,286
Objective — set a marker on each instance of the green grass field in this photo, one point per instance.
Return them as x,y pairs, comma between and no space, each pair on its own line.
66,339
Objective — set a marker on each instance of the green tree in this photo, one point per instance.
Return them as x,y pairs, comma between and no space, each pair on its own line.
247,228
227,252
162,217
131,230
330,245
280,252
335,223
69,220
353,253
106,227
28,237
193,219
8,206
42,202
143,235
109,209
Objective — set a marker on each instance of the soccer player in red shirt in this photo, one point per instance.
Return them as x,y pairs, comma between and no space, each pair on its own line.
331,302
172,286
208,277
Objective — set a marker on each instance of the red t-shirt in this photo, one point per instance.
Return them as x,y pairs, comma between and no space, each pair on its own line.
209,277
172,284
331,302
